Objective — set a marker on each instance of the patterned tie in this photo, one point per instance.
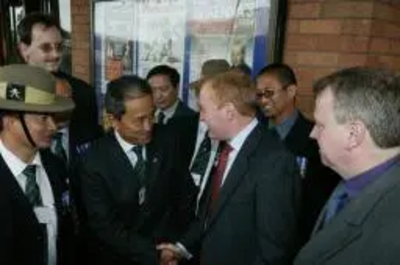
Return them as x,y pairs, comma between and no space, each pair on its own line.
202,157
218,173
32,191
58,147
161,118
140,165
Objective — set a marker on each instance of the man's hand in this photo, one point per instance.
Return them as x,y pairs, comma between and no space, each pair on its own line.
169,254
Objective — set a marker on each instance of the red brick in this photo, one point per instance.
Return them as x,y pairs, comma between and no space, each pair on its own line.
309,10
318,42
387,12
385,29
326,26
292,26
356,26
317,58
351,59
347,9
380,45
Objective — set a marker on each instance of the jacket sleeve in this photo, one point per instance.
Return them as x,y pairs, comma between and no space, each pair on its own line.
104,221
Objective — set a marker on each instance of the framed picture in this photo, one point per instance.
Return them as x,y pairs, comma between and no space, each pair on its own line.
131,37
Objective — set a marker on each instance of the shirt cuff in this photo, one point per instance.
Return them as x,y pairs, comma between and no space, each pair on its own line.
183,251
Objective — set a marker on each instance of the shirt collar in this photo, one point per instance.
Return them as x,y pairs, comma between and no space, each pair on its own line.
237,141
284,127
356,184
14,163
169,112
127,147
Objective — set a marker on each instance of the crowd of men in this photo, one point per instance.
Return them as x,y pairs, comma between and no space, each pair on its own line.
247,179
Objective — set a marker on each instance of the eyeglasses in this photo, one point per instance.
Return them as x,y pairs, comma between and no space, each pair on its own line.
49,47
265,94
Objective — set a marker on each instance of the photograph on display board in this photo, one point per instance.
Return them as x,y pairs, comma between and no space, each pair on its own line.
131,37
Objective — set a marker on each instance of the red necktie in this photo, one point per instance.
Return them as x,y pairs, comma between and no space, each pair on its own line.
218,173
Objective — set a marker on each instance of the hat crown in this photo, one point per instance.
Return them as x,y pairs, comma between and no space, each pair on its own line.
31,89
214,67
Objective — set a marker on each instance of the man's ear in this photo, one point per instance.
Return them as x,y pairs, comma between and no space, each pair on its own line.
357,133
23,50
292,91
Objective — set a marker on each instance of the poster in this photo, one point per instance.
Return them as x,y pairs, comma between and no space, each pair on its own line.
131,37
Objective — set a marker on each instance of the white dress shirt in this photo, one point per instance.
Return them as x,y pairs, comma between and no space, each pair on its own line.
47,213
127,147
236,143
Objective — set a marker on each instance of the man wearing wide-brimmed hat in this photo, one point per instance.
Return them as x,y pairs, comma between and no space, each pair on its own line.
208,69
33,195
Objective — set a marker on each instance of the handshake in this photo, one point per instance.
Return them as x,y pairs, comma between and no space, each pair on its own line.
172,253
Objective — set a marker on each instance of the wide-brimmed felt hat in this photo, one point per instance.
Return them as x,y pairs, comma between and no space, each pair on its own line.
211,68
30,89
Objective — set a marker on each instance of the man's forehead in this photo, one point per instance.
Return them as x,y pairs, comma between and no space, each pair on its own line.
38,30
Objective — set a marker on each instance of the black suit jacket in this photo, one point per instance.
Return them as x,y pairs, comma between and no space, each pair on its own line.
318,180
184,125
84,125
255,217
22,240
121,231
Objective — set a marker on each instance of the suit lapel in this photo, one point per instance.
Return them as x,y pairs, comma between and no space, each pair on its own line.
125,168
346,227
8,179
237,171
152,164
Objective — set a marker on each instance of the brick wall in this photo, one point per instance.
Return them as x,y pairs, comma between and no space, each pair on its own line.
326,35
322,36
80,19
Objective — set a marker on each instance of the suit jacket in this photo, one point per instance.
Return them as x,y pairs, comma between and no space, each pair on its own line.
318,180
255,217
184,125
84,125
366,231
120,229
22,240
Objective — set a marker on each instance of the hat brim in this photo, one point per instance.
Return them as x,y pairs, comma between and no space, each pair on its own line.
60,104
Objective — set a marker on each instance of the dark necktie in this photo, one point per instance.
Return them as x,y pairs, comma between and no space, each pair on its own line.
58,147
202,157
218,172
140,165
161,118
32,191
336,203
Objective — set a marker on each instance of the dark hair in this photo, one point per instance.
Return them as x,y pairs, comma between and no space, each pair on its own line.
122,89
368,94
172,74
24,27
283,73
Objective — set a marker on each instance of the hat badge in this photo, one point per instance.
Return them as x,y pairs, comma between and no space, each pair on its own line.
15,92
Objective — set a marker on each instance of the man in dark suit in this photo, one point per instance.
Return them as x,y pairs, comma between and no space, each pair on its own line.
34,216
131,180
171,111
276,95
164,81
41,44
359,138
248,213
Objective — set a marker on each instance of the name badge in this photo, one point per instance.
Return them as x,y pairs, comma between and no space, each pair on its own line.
142,195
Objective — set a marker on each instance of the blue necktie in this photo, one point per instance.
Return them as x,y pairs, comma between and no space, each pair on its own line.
336,203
